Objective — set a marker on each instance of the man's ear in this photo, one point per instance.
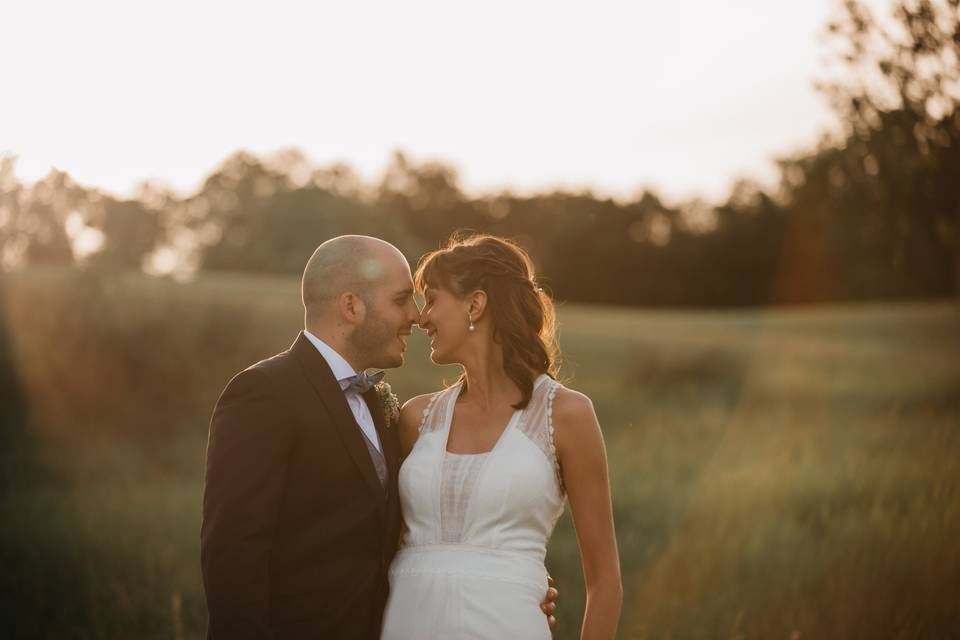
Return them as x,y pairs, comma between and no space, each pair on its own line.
351,307
478,304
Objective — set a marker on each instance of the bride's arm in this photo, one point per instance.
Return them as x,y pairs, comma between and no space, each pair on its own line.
583,462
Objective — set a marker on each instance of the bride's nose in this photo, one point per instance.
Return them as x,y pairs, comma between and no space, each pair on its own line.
425,322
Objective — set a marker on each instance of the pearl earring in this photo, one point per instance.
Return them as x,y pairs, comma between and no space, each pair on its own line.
471,327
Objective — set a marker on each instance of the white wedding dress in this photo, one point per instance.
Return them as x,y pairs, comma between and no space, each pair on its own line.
471,562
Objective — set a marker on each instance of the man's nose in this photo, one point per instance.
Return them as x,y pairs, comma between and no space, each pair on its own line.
414,315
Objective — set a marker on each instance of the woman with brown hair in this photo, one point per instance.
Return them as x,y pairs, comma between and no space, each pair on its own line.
491,460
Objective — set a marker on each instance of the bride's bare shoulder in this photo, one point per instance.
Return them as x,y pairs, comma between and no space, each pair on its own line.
574,418
570,403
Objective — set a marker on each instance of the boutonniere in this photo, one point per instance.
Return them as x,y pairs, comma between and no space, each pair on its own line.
389,401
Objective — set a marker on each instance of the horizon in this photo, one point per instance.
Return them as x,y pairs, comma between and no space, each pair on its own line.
612,100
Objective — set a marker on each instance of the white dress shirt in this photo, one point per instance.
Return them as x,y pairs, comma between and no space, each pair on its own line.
341,371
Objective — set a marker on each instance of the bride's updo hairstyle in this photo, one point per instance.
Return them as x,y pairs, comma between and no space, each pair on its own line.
521,313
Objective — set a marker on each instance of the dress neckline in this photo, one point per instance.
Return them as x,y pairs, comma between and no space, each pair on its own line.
511,423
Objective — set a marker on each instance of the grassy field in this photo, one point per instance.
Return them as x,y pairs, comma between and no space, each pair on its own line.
776,473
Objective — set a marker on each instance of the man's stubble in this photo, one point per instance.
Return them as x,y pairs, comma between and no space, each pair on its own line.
370,342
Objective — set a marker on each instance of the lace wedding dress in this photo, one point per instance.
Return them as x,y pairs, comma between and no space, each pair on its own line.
471,562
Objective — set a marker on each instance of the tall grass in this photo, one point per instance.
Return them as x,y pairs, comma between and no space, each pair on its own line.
776,474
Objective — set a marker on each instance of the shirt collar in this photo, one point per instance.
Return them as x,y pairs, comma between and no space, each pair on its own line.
340,367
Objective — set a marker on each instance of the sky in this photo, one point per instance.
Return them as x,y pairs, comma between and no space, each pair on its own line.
683,97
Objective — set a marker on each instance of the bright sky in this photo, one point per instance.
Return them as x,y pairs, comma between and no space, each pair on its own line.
682,96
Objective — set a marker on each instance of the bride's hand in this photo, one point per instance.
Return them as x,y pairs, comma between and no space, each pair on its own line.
549,604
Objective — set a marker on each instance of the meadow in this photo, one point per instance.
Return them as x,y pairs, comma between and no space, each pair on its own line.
776,473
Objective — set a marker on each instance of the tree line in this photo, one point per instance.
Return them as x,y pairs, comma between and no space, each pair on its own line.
873,213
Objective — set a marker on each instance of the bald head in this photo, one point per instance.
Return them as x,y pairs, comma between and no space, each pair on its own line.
358,264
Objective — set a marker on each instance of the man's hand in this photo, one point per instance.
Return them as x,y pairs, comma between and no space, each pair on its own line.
549,604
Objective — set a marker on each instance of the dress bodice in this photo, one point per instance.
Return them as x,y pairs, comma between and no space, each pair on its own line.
507,499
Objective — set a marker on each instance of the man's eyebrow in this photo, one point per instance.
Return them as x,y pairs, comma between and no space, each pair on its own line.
406,292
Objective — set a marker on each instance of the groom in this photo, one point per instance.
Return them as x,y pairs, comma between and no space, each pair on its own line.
301,513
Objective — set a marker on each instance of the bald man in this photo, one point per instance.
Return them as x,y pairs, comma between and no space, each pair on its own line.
301,515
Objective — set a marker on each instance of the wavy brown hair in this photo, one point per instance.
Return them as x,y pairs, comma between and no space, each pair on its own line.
522,313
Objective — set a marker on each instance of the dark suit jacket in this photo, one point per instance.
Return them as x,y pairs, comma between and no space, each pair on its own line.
297,530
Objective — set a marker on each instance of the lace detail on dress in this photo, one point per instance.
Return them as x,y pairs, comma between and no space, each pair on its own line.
472,559
554,386
537,423
459,474
432,422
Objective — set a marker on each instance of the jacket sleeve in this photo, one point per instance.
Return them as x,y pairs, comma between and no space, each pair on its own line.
247,455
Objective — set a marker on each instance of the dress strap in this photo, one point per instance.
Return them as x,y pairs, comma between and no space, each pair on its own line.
434,416
537,422
554,386
429,421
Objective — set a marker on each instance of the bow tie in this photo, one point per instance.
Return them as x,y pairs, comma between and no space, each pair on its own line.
361,383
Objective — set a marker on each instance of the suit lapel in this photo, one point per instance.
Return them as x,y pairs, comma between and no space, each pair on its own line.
345,425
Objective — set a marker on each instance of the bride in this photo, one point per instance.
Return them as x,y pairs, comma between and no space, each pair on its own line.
491,459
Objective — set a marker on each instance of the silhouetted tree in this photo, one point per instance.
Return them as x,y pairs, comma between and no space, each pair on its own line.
33,220
131,231
249,216
899,93
426,199
873,213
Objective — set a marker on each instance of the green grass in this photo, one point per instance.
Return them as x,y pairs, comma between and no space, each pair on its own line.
776,473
